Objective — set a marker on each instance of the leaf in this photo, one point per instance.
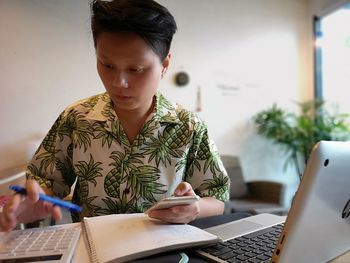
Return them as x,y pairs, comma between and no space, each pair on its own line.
299,132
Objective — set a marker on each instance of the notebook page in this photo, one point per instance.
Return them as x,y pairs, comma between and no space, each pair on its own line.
129,236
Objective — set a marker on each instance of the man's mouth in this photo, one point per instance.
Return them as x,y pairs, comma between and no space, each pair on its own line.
123,97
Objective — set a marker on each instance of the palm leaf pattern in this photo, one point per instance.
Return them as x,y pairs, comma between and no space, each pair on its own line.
146,132
68,175
101,132
88,204
87,173
190,171
212,162
34,172
182,163
49,141
124,165
158,148
47,151
163,105
105,97
144,183
116,206
87,143
164,146
121,137
76,126
218,186
108,110
204,150
201,143
48,160
91,102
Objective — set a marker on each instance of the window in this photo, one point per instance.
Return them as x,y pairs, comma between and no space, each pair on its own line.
332,54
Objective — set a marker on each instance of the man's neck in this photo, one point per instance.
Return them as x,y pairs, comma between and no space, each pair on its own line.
132,121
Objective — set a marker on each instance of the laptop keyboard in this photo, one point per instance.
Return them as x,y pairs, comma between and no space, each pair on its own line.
254,247
52,243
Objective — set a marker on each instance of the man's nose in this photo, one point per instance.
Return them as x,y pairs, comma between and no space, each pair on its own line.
120,80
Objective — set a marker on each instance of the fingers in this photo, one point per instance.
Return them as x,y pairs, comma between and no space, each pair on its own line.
171,217
33,190
8,218
181,214
7,222
13,204
56,213
27,208
184,188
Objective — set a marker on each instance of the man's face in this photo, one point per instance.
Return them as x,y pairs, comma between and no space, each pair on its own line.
129,70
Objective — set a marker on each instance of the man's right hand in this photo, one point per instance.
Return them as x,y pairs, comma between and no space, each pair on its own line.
27,209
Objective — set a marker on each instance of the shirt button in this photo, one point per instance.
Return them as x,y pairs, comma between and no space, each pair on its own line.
126,191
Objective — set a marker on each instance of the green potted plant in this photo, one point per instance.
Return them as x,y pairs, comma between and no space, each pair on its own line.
298,133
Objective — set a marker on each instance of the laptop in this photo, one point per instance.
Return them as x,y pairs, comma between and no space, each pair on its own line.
317,228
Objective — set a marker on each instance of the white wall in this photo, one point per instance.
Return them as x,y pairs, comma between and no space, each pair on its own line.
46,62
244,55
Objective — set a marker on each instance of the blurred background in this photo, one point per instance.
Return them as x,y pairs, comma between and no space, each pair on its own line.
240,56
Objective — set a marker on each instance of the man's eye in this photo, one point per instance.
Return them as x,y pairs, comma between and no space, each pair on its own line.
137,70
108,66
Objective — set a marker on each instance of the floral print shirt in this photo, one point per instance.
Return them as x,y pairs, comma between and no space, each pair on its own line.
87,145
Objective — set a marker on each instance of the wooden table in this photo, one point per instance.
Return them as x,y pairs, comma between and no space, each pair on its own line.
344,258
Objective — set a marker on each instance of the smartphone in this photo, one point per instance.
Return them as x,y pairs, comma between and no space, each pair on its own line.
174,201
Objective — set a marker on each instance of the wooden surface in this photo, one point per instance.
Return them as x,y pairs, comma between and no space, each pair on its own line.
344,258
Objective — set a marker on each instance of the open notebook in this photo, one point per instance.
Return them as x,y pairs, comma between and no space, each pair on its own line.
125,237
317,228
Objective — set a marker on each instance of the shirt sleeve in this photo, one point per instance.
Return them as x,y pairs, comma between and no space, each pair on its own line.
51,164
205,170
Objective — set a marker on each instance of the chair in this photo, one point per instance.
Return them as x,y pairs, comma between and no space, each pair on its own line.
255,196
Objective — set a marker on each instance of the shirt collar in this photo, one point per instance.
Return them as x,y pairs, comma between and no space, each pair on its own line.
164,111
102,110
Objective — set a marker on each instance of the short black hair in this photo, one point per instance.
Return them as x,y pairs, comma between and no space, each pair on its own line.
146,18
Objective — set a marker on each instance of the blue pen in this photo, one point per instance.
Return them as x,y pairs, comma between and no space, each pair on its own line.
67,205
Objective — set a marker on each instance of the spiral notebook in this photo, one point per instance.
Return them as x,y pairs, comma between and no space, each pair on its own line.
125,237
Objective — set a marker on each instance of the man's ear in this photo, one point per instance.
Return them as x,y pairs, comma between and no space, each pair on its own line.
166,63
